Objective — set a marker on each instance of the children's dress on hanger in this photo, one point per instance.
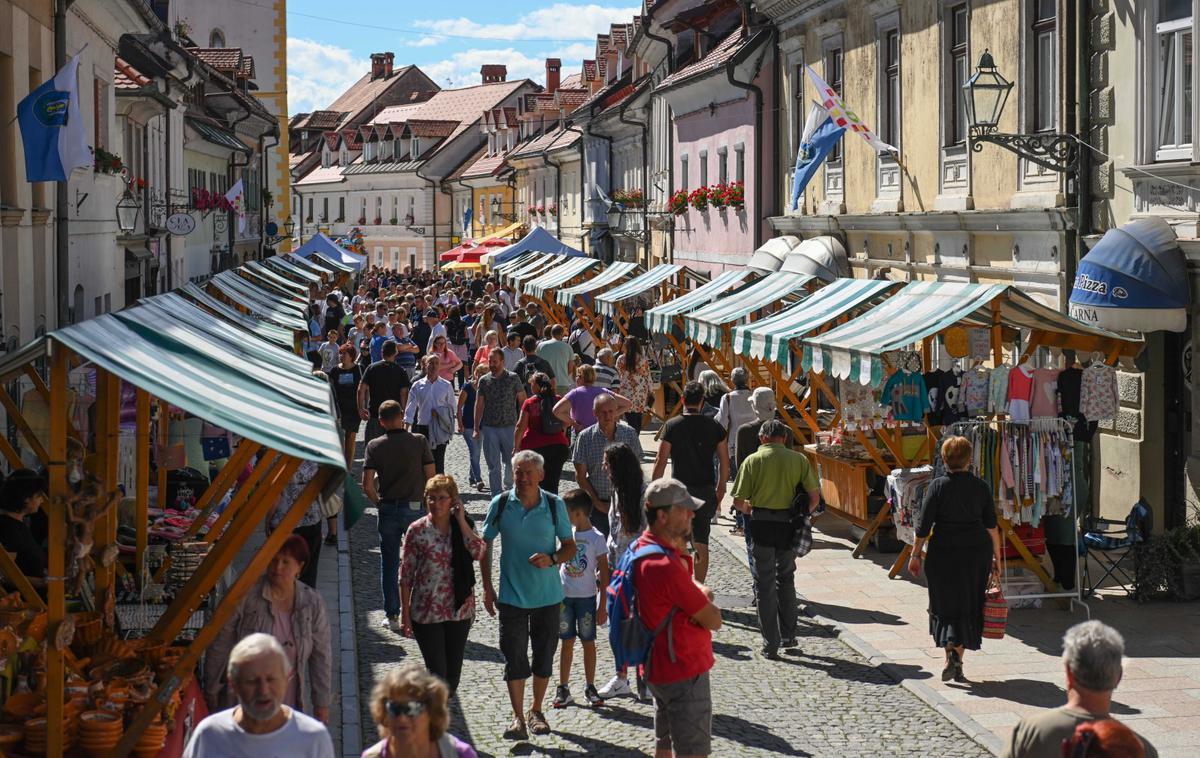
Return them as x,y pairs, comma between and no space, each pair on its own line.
1020,391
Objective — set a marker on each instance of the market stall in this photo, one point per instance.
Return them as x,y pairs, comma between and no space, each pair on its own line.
261,276
303,270
512,263
539,263
105,639
627,303
258,302
276,335
932,359
541,289
518,280
614,275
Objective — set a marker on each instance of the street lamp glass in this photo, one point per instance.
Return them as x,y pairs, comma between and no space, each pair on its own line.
614,215
495,206
408,220
127,212
987,92
289,226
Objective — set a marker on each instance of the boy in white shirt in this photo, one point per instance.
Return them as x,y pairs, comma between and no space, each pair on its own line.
581,612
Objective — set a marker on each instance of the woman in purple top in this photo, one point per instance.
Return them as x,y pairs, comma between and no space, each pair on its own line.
411,713
575,409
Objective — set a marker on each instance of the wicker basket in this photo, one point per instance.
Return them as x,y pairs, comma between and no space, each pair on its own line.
995,611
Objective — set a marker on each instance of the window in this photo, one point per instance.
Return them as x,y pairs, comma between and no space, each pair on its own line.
703,168
341,209
397,150
800,109
216,38
833,77
324,209
344,157
1044,71
416,148
889,111
739,163
395,205
326,157
958,71
308,216
369,152
100,114
683,172
1174,83
722,165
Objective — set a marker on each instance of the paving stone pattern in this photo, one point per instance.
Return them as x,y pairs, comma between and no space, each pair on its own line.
822,700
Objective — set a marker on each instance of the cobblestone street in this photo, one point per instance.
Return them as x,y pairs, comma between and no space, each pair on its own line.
822,700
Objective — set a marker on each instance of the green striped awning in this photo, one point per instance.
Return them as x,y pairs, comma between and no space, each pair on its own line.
276,335
293,268
261,276
262,303
608,277
519,278
537,286
513,264
922,309
607,303
659,318
770,338
705,325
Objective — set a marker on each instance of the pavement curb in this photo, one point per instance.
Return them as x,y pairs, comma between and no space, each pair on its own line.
973,729
351,710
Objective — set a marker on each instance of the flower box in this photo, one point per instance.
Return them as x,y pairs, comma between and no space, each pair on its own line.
699,198
678,204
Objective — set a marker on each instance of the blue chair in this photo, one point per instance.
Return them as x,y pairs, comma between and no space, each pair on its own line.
1110,543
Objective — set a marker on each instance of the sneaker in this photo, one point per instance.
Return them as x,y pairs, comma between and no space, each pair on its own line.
790,642
616,687
393,623
562,697
480,486
516,730
537,723
593,697
771,654
331,539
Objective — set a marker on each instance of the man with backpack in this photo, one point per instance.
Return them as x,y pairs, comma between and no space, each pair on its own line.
661,617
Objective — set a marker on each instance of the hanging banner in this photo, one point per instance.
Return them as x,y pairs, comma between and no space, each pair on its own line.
842,116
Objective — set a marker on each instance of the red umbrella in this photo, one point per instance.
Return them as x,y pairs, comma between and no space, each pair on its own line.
471,252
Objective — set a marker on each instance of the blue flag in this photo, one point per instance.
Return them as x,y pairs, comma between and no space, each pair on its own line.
467,221
53,129
813,151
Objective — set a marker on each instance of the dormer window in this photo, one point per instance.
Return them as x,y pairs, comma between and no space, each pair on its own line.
397,150
326,157
343,157
385,149
512,138
491,144
416,148
369,152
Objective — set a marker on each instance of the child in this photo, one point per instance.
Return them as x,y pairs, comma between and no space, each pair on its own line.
580,615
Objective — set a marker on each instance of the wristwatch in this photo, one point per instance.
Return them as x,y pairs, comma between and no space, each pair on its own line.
553,559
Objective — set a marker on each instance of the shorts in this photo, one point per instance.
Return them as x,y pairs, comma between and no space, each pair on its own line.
683,716
577,618
702,521
521,628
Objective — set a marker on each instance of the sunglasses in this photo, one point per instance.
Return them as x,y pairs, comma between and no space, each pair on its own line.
410,708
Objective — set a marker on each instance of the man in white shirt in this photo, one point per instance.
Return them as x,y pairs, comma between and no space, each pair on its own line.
429,395
260,726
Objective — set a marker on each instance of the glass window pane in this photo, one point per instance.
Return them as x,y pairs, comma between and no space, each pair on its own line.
960,106
893,109
1046,83
960,25
1044,10
1166,91
1185,99
1171,10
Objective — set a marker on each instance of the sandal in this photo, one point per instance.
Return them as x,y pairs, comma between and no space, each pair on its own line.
538,723
516,730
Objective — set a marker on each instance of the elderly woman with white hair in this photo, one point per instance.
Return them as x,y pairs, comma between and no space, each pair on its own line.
736,409
411,711
714,390
261,723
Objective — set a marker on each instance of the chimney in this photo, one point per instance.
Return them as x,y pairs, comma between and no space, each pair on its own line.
552,68
377,65
389,60
493,72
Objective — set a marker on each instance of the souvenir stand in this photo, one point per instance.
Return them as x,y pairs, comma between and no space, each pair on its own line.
665,321
709,328
973,322
614,275
661,284
108,658
541,289
768,344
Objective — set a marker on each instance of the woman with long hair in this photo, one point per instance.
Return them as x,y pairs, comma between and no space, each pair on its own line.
491,341
448,362
715,389
634,371
533,432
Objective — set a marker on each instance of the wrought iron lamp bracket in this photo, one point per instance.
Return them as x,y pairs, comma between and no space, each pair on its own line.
1056,152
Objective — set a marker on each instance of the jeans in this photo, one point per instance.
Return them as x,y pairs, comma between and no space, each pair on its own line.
498,452
473,449
555,456
439,452
775,582
395,517
443,646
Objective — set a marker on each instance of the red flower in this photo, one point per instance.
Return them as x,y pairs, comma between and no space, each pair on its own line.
699,198
678,203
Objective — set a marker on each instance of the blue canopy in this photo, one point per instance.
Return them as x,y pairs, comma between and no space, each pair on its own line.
538,240
322,245
1134,279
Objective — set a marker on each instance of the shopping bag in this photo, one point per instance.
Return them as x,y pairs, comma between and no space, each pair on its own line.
802,534
995,611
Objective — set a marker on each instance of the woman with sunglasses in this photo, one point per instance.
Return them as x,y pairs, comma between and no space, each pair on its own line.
448,362
437,579
411,712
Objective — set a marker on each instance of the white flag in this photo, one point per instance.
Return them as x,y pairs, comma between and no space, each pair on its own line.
842,116
237,198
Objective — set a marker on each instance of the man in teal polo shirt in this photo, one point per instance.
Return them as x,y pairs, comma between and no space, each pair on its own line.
765,485
536,540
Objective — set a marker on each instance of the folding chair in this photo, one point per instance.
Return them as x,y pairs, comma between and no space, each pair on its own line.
1110,543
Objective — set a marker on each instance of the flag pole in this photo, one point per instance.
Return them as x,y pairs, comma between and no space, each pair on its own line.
62,230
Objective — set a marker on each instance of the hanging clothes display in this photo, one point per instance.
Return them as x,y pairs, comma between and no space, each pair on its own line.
905,494
975,385
998,389
933,391
1070,384
905,393
1044,401
950,406
1098,396
860,406
1020,391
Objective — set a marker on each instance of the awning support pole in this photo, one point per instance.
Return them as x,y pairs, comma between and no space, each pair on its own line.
56,598
142,487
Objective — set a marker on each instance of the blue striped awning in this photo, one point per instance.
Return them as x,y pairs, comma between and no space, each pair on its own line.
607,303
706,324
770,338
608,277
659,318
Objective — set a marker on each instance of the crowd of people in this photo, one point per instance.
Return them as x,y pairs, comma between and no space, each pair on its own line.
421,358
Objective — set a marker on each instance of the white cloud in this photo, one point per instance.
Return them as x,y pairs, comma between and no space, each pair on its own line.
462,69
319,73
557,21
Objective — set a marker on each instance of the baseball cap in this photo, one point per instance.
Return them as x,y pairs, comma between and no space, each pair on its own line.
663,493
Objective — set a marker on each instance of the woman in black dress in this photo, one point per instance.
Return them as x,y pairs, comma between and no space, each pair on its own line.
963,553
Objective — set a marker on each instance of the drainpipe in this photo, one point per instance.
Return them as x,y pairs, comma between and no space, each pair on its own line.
582,176
670,61
1083,127
262,171
432,185
62,233
557,186
233,163
756,91
645,127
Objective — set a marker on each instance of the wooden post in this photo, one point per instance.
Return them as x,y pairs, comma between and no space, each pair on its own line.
224,611
141,495
18,419
10,570
10,453
164,426
56,605
221,483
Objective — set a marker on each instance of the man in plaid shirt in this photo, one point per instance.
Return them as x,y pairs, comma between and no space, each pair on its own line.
589,456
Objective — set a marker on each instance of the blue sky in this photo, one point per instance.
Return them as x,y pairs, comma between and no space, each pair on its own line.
330,43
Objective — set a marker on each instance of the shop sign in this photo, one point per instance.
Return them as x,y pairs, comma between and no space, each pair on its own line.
181,224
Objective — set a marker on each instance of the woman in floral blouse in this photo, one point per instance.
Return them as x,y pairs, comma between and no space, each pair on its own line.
634,371
437,579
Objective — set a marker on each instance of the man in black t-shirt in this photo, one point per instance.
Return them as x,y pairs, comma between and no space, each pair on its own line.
383,380
691,442
532,363
521,326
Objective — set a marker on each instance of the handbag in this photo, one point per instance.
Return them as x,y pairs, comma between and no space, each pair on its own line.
802,534
995,610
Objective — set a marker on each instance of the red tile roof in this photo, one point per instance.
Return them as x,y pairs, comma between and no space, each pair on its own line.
247,67
322,120
353,139
485,165
616,33
362,93
464,106
601,44
396,114
332,139
220,58
589,71
717,57
574,81
432,128
510,116
571,98
126,76
602,69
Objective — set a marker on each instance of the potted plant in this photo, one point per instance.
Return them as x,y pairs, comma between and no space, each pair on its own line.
378,220
678,204
699,198
393,220
735,195
541,209
552,209
717,196
635,199
620,197
362,219
106,162
532,210
1168,565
